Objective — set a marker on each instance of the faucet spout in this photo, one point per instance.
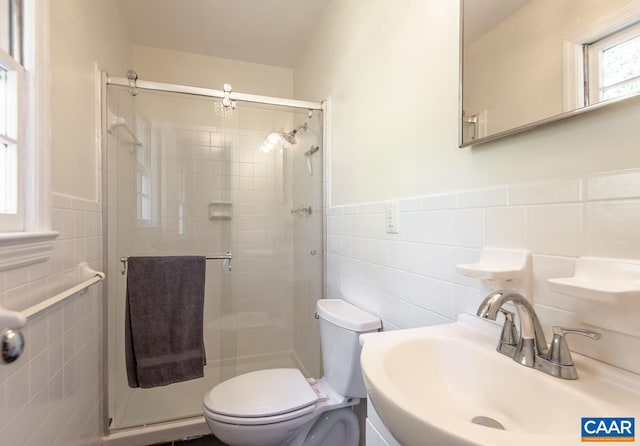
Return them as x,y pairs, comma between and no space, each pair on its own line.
531,340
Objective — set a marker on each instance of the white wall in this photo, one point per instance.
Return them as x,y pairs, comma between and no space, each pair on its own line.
83,34
52,394
392,73
409,279
161,65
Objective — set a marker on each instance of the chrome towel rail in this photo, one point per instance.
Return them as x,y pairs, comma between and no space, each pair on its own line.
226,257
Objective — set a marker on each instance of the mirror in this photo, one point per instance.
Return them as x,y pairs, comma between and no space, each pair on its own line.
529,62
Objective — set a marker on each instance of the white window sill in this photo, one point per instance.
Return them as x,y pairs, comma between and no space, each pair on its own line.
25,248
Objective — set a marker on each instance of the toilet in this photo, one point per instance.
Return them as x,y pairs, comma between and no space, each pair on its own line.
280,407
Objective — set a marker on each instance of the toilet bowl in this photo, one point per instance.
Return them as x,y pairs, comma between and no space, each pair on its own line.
278,407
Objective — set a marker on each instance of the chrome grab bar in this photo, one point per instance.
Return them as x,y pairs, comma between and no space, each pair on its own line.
226,257
11,338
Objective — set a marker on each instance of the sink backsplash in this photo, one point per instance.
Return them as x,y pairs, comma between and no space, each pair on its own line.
409,278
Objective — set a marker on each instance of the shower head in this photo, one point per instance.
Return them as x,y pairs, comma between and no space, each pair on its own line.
291,136
272,140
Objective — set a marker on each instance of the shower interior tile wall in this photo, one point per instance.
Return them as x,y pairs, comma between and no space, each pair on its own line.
52,393
199,167
409,279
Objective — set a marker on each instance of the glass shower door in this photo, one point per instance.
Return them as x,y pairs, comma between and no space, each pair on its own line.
168,188
185,176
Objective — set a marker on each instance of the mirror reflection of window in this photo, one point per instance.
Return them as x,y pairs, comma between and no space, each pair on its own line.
614,65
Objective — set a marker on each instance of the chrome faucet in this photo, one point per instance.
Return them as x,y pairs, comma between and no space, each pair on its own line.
529,346
531,341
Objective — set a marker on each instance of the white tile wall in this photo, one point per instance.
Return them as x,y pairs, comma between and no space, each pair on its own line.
52,394
409,279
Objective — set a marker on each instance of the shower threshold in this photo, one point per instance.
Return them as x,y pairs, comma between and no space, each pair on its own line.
157,433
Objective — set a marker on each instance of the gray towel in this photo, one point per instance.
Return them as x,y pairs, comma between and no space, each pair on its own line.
163,320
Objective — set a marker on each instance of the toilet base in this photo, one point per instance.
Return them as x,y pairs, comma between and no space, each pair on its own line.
330,428
277,434
335,427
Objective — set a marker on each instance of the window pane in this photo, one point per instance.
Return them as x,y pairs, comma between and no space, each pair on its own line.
8,102
5,26
621,89
11,28
621,62
8,179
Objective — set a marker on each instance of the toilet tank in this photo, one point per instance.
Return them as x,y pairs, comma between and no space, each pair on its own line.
341,325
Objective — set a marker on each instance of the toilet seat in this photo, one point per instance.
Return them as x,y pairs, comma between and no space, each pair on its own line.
246,421
261,397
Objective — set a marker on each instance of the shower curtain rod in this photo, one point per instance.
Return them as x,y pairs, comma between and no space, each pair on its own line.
200,91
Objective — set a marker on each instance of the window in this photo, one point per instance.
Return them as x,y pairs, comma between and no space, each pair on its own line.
11,125
614,65
143,172
25,234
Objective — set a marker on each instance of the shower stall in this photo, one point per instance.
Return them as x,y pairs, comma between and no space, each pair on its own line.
236,178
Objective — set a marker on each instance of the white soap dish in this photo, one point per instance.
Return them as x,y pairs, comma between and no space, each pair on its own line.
498,264
605,280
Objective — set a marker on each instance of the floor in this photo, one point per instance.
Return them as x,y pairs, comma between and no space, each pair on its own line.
207,440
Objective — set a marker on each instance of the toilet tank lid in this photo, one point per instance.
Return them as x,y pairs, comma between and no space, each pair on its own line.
341,313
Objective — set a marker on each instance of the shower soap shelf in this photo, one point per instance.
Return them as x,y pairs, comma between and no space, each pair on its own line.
603,280
498,264
220,210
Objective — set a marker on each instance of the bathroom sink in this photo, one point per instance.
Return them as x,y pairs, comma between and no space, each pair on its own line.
447,385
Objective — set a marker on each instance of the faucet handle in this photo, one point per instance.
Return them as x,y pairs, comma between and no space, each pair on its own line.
559,352
509,337
509,333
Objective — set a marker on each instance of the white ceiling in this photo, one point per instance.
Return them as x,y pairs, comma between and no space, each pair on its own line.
482,15
272,32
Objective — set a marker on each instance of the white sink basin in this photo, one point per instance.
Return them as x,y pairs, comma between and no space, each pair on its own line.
428,384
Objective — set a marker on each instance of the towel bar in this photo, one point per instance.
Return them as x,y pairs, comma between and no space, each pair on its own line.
226,257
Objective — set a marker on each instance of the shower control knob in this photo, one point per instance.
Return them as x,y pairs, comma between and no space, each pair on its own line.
313,252
12,345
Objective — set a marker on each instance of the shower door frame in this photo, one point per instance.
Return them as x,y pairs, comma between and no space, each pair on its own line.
209,92
105,80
